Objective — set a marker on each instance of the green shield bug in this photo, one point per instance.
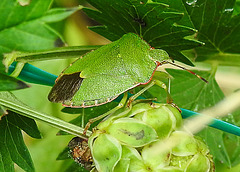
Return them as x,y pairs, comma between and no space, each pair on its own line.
102,75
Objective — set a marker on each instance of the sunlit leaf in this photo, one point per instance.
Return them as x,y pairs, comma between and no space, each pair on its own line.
25,28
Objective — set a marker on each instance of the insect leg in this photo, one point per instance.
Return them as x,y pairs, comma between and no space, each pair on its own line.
167,62
119,106
163,85
130,101
132,98
83,116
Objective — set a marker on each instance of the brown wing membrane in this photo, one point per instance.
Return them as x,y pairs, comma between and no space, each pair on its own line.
65,88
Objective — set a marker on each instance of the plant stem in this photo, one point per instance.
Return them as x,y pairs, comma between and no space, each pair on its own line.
9,101
58,53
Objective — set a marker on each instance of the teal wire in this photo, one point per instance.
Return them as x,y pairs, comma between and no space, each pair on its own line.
216,123
35,75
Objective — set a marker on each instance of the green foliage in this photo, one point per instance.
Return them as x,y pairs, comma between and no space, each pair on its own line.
188,92
25,28
13,148
217,23
153,21
9,101
9,83
218,29
205,31
191,94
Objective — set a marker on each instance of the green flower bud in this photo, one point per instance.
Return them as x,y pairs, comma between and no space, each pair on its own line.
187,146
191,154
125,144
132,132
198,163
162,117
133,159
155,161
106,152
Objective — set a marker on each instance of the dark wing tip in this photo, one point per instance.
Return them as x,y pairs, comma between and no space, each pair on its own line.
65,88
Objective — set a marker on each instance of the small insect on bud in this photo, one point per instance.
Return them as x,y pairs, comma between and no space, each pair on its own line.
80,152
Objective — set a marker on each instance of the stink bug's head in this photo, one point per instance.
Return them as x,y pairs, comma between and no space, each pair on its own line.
161,57
158,55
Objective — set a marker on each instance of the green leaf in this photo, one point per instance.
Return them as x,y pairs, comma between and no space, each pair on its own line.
236,9
218,29
25,28
74,167
28,125
232,141
6,163
215,142
153,21
64,154
58,14
8,83
12,146
190,92
178,6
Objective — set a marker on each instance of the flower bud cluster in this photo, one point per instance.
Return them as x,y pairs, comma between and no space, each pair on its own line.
128,144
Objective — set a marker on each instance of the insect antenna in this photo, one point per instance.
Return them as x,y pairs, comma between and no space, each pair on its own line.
167,62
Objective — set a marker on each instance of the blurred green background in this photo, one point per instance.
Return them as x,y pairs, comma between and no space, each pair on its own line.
74,30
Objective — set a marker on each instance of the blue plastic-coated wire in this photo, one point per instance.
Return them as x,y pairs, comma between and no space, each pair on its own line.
216,123
35,75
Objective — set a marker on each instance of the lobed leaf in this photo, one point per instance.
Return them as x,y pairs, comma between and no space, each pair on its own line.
218,28
215,142
23,27
191,93
153,21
